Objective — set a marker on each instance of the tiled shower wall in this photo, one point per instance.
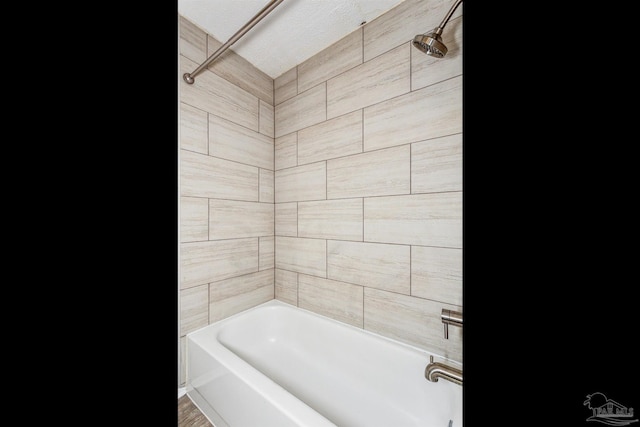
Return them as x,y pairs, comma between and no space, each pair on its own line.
226,185
368,180
355,155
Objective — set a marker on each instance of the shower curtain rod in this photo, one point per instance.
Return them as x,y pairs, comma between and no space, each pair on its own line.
190,77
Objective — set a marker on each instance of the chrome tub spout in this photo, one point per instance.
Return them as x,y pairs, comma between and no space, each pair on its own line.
436,370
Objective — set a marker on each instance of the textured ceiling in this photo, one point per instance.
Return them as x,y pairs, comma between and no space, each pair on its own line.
291,33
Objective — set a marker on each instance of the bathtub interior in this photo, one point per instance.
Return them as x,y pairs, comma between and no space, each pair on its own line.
360,379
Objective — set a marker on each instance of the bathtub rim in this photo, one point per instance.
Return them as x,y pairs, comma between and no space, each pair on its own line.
279,303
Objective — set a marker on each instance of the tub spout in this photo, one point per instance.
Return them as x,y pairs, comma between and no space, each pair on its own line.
436,370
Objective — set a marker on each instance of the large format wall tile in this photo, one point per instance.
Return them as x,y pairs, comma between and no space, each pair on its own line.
217,96
240,72
415,321
230,141
424,219
403,22
267,253
436,165
266,119
206,176
331,219
204,262
436,274
338,300
378,173
307,256
377,80
305,109
286,151
194,222
193,129
286,86
338,137
286,286
423,114
234,295
232,219
287,219
302,183
194,310
192,42
374,265
337,58
267,191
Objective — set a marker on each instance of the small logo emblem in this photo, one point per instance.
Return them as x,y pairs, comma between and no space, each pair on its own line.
608,411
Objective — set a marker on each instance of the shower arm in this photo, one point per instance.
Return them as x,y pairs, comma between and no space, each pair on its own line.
190,77
438,30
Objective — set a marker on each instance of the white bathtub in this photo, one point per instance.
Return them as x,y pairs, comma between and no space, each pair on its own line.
278,365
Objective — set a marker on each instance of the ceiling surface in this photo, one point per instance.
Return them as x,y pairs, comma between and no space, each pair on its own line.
291,33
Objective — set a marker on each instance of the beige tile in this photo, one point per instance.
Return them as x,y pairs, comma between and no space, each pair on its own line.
286,86
192,40
193,129
331,219
237,70
337,58
382,78
287,286
266,122
378,173
412,320
194,308
374,265
423,219
287,219
301,183
206,176
204,262
303,110
417,116
230,141
403,22
427,70
194,222
286,151
436,165
231,296
232,219
302,255
266,186
436,274
217,96
334,138
267,253
339,300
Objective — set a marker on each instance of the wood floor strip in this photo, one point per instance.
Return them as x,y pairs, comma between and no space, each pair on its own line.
189,415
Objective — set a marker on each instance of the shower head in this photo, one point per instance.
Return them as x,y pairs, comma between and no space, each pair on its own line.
431,42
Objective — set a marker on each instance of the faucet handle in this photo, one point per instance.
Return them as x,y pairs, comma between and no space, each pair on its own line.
450,317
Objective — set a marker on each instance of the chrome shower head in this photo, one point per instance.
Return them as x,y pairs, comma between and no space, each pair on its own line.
431,42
